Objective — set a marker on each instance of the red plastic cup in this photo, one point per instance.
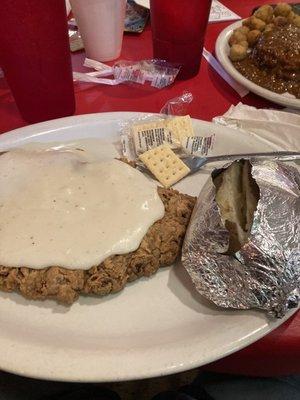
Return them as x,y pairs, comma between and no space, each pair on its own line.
35,57
178,30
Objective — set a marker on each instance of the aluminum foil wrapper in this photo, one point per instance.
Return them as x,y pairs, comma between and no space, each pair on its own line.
265,273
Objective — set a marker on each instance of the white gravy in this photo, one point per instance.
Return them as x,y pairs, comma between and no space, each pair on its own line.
58,208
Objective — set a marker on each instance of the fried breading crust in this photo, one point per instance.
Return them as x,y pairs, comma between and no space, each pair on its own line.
160,247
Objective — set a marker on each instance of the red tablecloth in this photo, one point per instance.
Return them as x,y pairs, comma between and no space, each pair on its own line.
278,352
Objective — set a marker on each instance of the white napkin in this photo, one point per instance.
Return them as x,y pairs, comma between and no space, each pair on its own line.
219,12
280,129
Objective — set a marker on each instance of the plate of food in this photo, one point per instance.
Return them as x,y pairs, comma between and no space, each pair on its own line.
262,53
91,285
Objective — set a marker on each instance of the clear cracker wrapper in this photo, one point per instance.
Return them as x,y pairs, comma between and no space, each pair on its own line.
158,73
265,273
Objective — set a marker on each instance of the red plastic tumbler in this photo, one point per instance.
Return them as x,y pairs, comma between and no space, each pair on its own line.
178,29
35,57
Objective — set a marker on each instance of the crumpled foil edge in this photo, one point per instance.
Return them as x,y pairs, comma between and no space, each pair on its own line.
265,273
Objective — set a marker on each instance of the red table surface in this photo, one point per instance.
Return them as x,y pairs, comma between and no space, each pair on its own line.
279,351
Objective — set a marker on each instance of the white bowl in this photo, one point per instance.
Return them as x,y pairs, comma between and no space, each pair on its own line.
222,51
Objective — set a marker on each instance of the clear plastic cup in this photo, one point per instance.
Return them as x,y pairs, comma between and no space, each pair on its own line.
101,25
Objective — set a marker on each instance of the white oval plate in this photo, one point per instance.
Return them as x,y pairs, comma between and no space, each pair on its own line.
222,51
155,326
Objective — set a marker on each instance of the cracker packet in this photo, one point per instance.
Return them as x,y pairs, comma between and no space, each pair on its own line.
241,248
172,126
